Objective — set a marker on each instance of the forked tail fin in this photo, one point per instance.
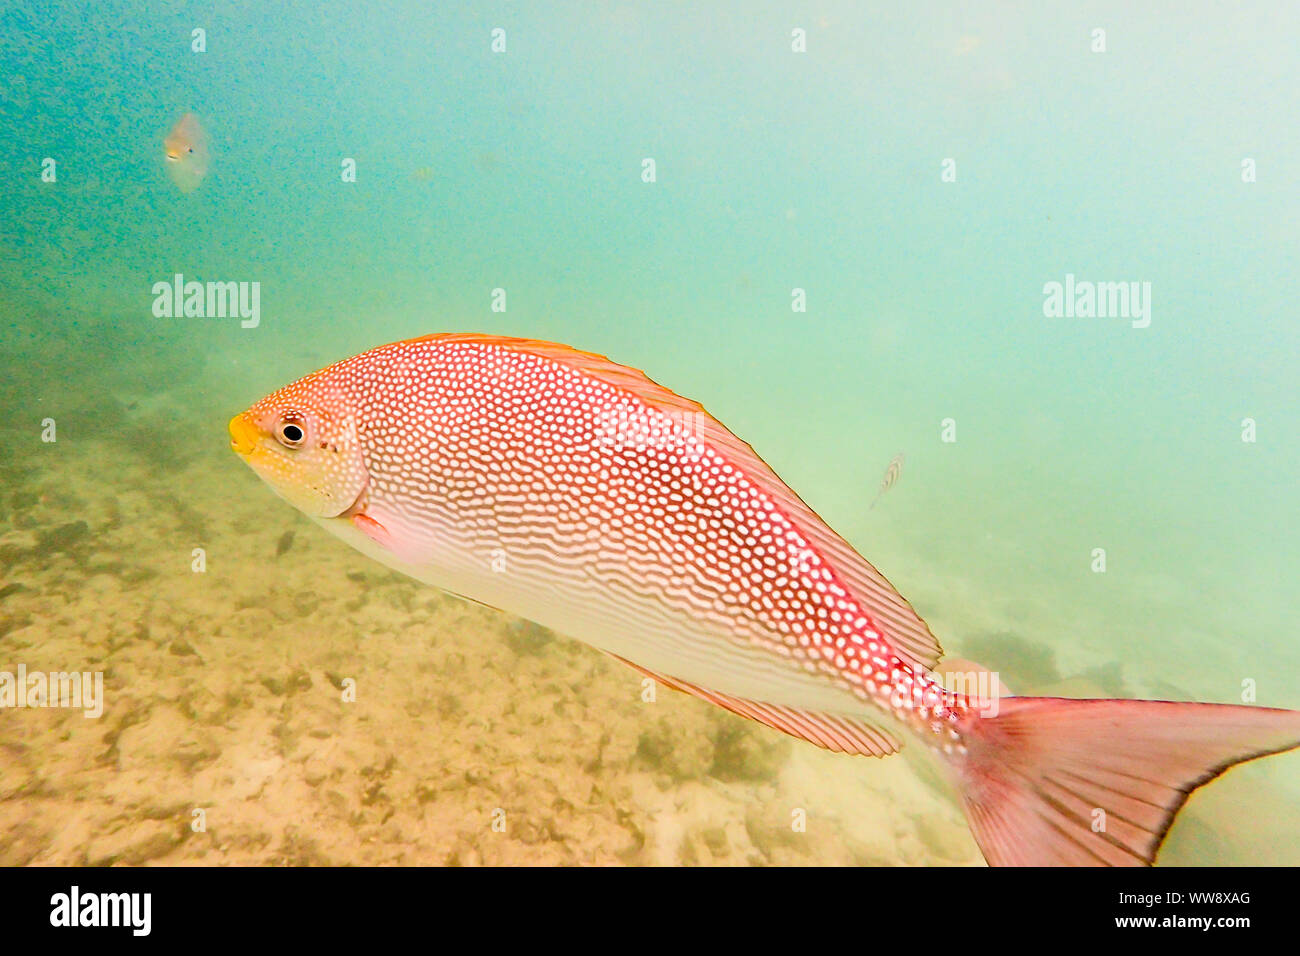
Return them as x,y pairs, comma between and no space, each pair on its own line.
1056,782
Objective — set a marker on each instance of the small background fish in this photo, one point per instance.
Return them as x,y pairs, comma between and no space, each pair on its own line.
186,153
891,475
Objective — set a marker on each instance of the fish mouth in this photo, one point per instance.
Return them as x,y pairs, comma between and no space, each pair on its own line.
244,436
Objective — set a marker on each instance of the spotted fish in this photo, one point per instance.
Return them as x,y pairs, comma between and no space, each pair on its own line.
576,493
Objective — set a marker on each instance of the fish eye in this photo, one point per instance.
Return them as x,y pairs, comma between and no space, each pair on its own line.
290,433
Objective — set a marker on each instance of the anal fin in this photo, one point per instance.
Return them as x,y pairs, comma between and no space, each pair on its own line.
833,732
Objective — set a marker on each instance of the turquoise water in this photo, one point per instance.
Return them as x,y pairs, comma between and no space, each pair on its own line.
775,171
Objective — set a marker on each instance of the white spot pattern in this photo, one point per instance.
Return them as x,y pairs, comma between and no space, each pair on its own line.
522,452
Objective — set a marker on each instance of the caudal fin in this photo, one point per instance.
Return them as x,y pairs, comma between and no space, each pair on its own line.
1056,782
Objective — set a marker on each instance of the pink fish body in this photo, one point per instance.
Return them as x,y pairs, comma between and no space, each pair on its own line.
576,493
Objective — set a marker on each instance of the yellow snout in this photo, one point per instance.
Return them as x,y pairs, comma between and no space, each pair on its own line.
244,437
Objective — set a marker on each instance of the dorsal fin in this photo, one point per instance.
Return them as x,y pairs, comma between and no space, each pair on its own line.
894,617
841,735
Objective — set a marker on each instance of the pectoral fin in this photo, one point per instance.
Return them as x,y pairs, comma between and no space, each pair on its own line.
373,530
393,534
